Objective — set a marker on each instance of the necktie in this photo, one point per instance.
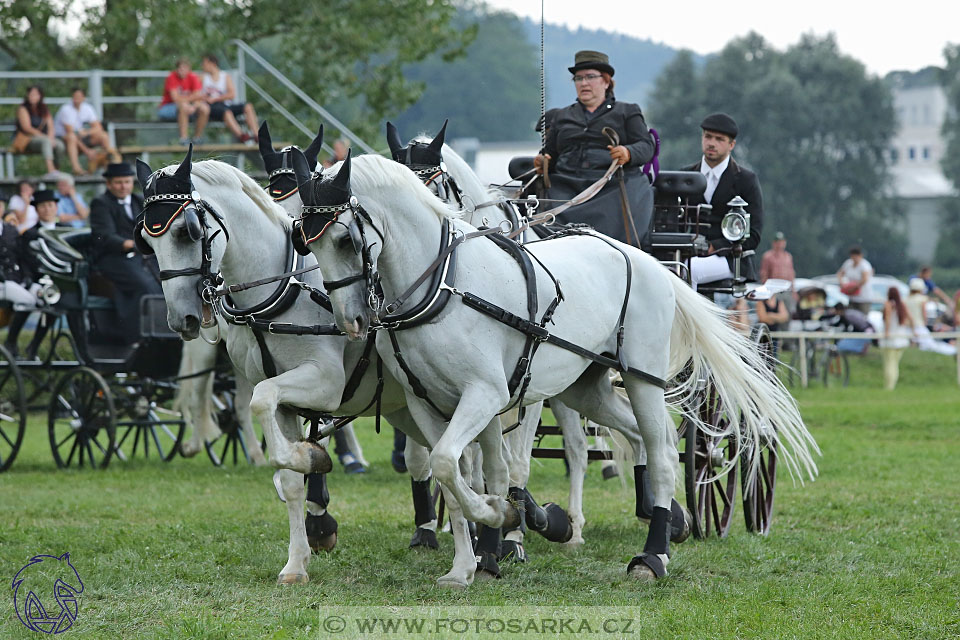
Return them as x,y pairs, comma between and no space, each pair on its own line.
712,181
126,207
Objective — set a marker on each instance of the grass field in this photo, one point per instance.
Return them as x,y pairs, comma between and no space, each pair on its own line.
185,550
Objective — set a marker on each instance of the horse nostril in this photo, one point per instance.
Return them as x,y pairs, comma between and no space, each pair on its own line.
191,323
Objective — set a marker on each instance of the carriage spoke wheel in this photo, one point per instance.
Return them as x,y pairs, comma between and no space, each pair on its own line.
231,446
759,487
151,430
13,409
81,420
709,496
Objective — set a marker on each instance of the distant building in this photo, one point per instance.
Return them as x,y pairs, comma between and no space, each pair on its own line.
915,153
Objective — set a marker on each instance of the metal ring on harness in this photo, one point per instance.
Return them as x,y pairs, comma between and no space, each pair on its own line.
213,342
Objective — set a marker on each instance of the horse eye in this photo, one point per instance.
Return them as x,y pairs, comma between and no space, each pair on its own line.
344,242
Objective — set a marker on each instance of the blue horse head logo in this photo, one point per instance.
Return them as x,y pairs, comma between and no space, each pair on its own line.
32,586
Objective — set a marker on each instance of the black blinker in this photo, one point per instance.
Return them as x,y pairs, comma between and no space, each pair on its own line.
296,236
192,220
142,246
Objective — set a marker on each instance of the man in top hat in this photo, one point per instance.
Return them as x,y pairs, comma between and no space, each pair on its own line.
725,180
577,153
45,202
113,215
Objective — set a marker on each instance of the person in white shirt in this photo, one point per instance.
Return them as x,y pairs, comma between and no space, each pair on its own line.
23,214
219,92
854,278
79,126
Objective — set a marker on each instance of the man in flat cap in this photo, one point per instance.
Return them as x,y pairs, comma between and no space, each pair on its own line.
725,180
577,153
113,215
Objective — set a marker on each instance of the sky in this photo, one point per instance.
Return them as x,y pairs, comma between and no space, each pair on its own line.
884,38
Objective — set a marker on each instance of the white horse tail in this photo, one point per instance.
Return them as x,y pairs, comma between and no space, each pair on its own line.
746,386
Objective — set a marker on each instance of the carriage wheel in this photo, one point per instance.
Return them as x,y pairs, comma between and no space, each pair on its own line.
81,420
13,409
150,429
709,497
230,446
758,491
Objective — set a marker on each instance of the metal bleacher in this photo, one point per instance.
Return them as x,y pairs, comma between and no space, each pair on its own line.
132,94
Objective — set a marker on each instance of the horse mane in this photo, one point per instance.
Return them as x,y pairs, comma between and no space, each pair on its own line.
372,172
220,173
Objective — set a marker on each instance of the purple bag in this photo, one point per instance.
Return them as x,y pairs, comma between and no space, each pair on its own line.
652,168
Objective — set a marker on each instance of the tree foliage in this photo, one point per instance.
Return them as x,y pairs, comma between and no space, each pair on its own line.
813,125
947,254
346,52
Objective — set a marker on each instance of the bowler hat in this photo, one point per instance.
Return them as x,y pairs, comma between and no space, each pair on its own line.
591,60
44,195
721,123
118,170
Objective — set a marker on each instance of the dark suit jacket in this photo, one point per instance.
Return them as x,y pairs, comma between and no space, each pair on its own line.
735,181
110,225
13,263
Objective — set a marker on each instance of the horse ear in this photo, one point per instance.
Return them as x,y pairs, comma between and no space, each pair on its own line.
183,171
266,144
393,138
342,181
143,173
301,169
314,149
437,143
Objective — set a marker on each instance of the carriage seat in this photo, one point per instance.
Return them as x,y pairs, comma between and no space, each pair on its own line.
66,254
519,166
683,184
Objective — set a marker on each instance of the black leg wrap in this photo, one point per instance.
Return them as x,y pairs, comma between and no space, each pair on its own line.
321,532
644,492
423,511
425,538
657,541
317,489
650,560
559,528
512,551
340,446
488,550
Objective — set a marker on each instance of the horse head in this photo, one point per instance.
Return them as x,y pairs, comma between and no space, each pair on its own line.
279,165
175,226
335,229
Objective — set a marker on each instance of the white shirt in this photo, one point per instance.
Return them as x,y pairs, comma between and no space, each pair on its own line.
16,202
76,118
215,89
126,205
850,272
713,176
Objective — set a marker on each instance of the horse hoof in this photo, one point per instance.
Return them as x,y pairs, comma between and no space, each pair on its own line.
646,567
559,528
573,543
512,517
487,564
424,539
293,578
512,551
187,450
451,582
642,573
610,472
321,532
678,532
320,461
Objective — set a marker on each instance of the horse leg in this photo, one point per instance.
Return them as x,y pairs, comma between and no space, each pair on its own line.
464,560
575,448
241,407
353,444
609,467
296,387
424,514
298,552
320,525
194,398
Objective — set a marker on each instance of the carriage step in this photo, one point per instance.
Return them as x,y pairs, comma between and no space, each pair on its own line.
551,430
559,454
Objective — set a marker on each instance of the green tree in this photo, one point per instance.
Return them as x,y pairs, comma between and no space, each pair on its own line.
947,254
351,53
813,125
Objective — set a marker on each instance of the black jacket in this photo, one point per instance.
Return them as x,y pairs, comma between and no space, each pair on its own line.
13,263
735,181
110,225
578,147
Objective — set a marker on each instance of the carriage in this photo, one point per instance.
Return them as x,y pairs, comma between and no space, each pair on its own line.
676,237
103,398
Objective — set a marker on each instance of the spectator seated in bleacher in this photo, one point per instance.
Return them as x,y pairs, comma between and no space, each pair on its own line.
852,320
78,125
220,94
113,215
35,131
72,210
23,214
183,99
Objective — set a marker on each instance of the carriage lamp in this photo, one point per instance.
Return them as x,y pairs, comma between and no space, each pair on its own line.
735,225
49,291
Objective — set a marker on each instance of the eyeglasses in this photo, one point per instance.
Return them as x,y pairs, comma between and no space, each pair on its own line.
587,77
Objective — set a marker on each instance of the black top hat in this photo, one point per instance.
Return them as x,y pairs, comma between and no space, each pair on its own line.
721,123
118,170
44,195
591,60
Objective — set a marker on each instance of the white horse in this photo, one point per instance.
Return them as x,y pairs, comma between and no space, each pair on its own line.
375,220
